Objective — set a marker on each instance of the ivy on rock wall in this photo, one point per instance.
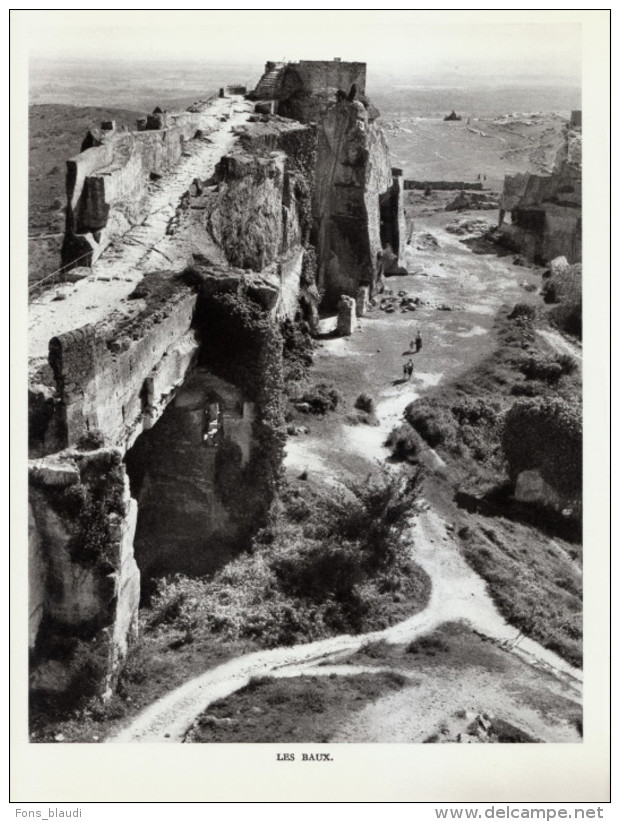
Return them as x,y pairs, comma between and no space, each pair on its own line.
243,345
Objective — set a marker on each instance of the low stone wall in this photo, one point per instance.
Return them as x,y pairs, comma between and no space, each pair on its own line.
440,185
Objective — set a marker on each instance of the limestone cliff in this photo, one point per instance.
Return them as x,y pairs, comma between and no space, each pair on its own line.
230,264
358,218
156,419
85,584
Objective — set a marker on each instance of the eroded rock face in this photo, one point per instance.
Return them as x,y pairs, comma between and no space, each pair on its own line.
545,210
84,581
184,525
355,190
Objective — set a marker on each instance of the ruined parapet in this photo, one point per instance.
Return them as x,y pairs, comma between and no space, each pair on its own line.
345,324
84,581
107,183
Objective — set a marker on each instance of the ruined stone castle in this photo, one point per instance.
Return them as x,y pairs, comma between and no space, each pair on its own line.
189,243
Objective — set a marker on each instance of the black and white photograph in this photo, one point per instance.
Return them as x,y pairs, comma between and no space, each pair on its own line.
302,312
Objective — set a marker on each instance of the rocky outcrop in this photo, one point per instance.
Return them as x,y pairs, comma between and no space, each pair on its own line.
114,379
532,488
545,210
357,198
357,202
84,581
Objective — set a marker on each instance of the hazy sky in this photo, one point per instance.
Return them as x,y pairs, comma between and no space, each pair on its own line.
492,43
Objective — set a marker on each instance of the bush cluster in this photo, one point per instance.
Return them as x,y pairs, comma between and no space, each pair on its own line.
322,397
322,565
546,434
524,311
468,426
404,442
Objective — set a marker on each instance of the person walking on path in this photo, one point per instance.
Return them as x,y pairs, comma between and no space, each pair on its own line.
409,369
418,342
405,371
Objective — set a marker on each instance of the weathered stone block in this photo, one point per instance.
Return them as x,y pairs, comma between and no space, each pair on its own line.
532,488
361,301
346,316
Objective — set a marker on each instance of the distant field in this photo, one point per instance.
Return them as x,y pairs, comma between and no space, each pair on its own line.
431,149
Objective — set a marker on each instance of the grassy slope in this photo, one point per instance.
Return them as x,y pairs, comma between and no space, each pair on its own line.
530,559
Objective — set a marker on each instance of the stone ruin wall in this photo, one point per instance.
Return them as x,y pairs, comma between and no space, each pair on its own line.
545,210
357,240
108,181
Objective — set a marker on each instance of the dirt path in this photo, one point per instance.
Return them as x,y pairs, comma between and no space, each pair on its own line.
474,286
457,593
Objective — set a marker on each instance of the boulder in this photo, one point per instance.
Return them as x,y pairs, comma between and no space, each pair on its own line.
531,487
558,265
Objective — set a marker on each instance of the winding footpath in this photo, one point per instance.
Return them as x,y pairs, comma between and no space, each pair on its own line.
457,594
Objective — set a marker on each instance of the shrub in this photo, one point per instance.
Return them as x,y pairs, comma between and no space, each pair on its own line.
432,422
524,310
404,442
542,368
365,403
531,388
545,434
331,567
567,363
322,397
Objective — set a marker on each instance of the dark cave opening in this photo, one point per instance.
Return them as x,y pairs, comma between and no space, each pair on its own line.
183,524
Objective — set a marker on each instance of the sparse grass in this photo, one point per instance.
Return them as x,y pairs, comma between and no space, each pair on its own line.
300,709
538,591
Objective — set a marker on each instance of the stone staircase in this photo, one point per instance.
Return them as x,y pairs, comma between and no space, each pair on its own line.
268,83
